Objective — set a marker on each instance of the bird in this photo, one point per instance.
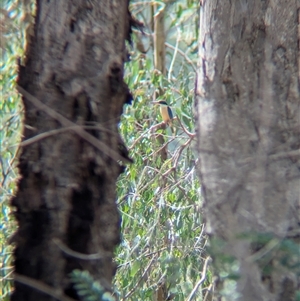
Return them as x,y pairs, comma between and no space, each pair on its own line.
165,111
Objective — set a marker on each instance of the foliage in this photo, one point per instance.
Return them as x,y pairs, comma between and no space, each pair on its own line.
268,251
13,26
163,246
269,248
88,288
163,241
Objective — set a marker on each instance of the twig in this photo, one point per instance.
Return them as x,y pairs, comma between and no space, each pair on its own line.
200,236
202,279
4,175
178,50
139,281
79,131
174,55
42,287
59,131
157,126
6,277
162,147
283,155
178,154
78,255
183,54
276,156
139,138
208,291
273,243
143,255
192,135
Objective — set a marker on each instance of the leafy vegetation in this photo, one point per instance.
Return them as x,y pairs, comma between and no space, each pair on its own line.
163,241
162,248
12,44
88,288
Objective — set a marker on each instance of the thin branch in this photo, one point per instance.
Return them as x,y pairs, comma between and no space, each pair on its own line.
162,147
142,256
4,175
6,277
185,130
276,156
139,281
79,131
200,236
42,287
202,279
78,255
178,154
183,54
9,168
146,2
178,50
174,55
59,131
208,291
283,155
262,252
139,138
160,125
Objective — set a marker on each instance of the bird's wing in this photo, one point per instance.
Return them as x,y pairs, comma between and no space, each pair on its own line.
170,113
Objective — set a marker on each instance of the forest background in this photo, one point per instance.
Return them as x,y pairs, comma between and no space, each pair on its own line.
162,230
249,158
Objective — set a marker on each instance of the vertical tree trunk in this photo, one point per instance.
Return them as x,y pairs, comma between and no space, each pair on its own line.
66,198
248,106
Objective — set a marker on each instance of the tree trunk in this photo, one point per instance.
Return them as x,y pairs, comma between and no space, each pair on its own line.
73,94
248,106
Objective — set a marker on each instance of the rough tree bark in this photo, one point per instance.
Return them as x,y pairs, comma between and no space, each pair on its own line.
248,107
66,197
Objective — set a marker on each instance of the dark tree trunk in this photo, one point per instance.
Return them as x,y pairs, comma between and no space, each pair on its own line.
66,197
248,106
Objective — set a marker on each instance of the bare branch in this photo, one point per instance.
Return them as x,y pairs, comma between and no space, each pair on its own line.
202,279
184,129
42,287
139,281
78,255
59,131
79,131
183,54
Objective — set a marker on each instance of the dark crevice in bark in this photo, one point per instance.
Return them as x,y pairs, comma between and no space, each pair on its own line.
67,185
80,218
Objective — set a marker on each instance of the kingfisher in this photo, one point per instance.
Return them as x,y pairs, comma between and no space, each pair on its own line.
165,111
